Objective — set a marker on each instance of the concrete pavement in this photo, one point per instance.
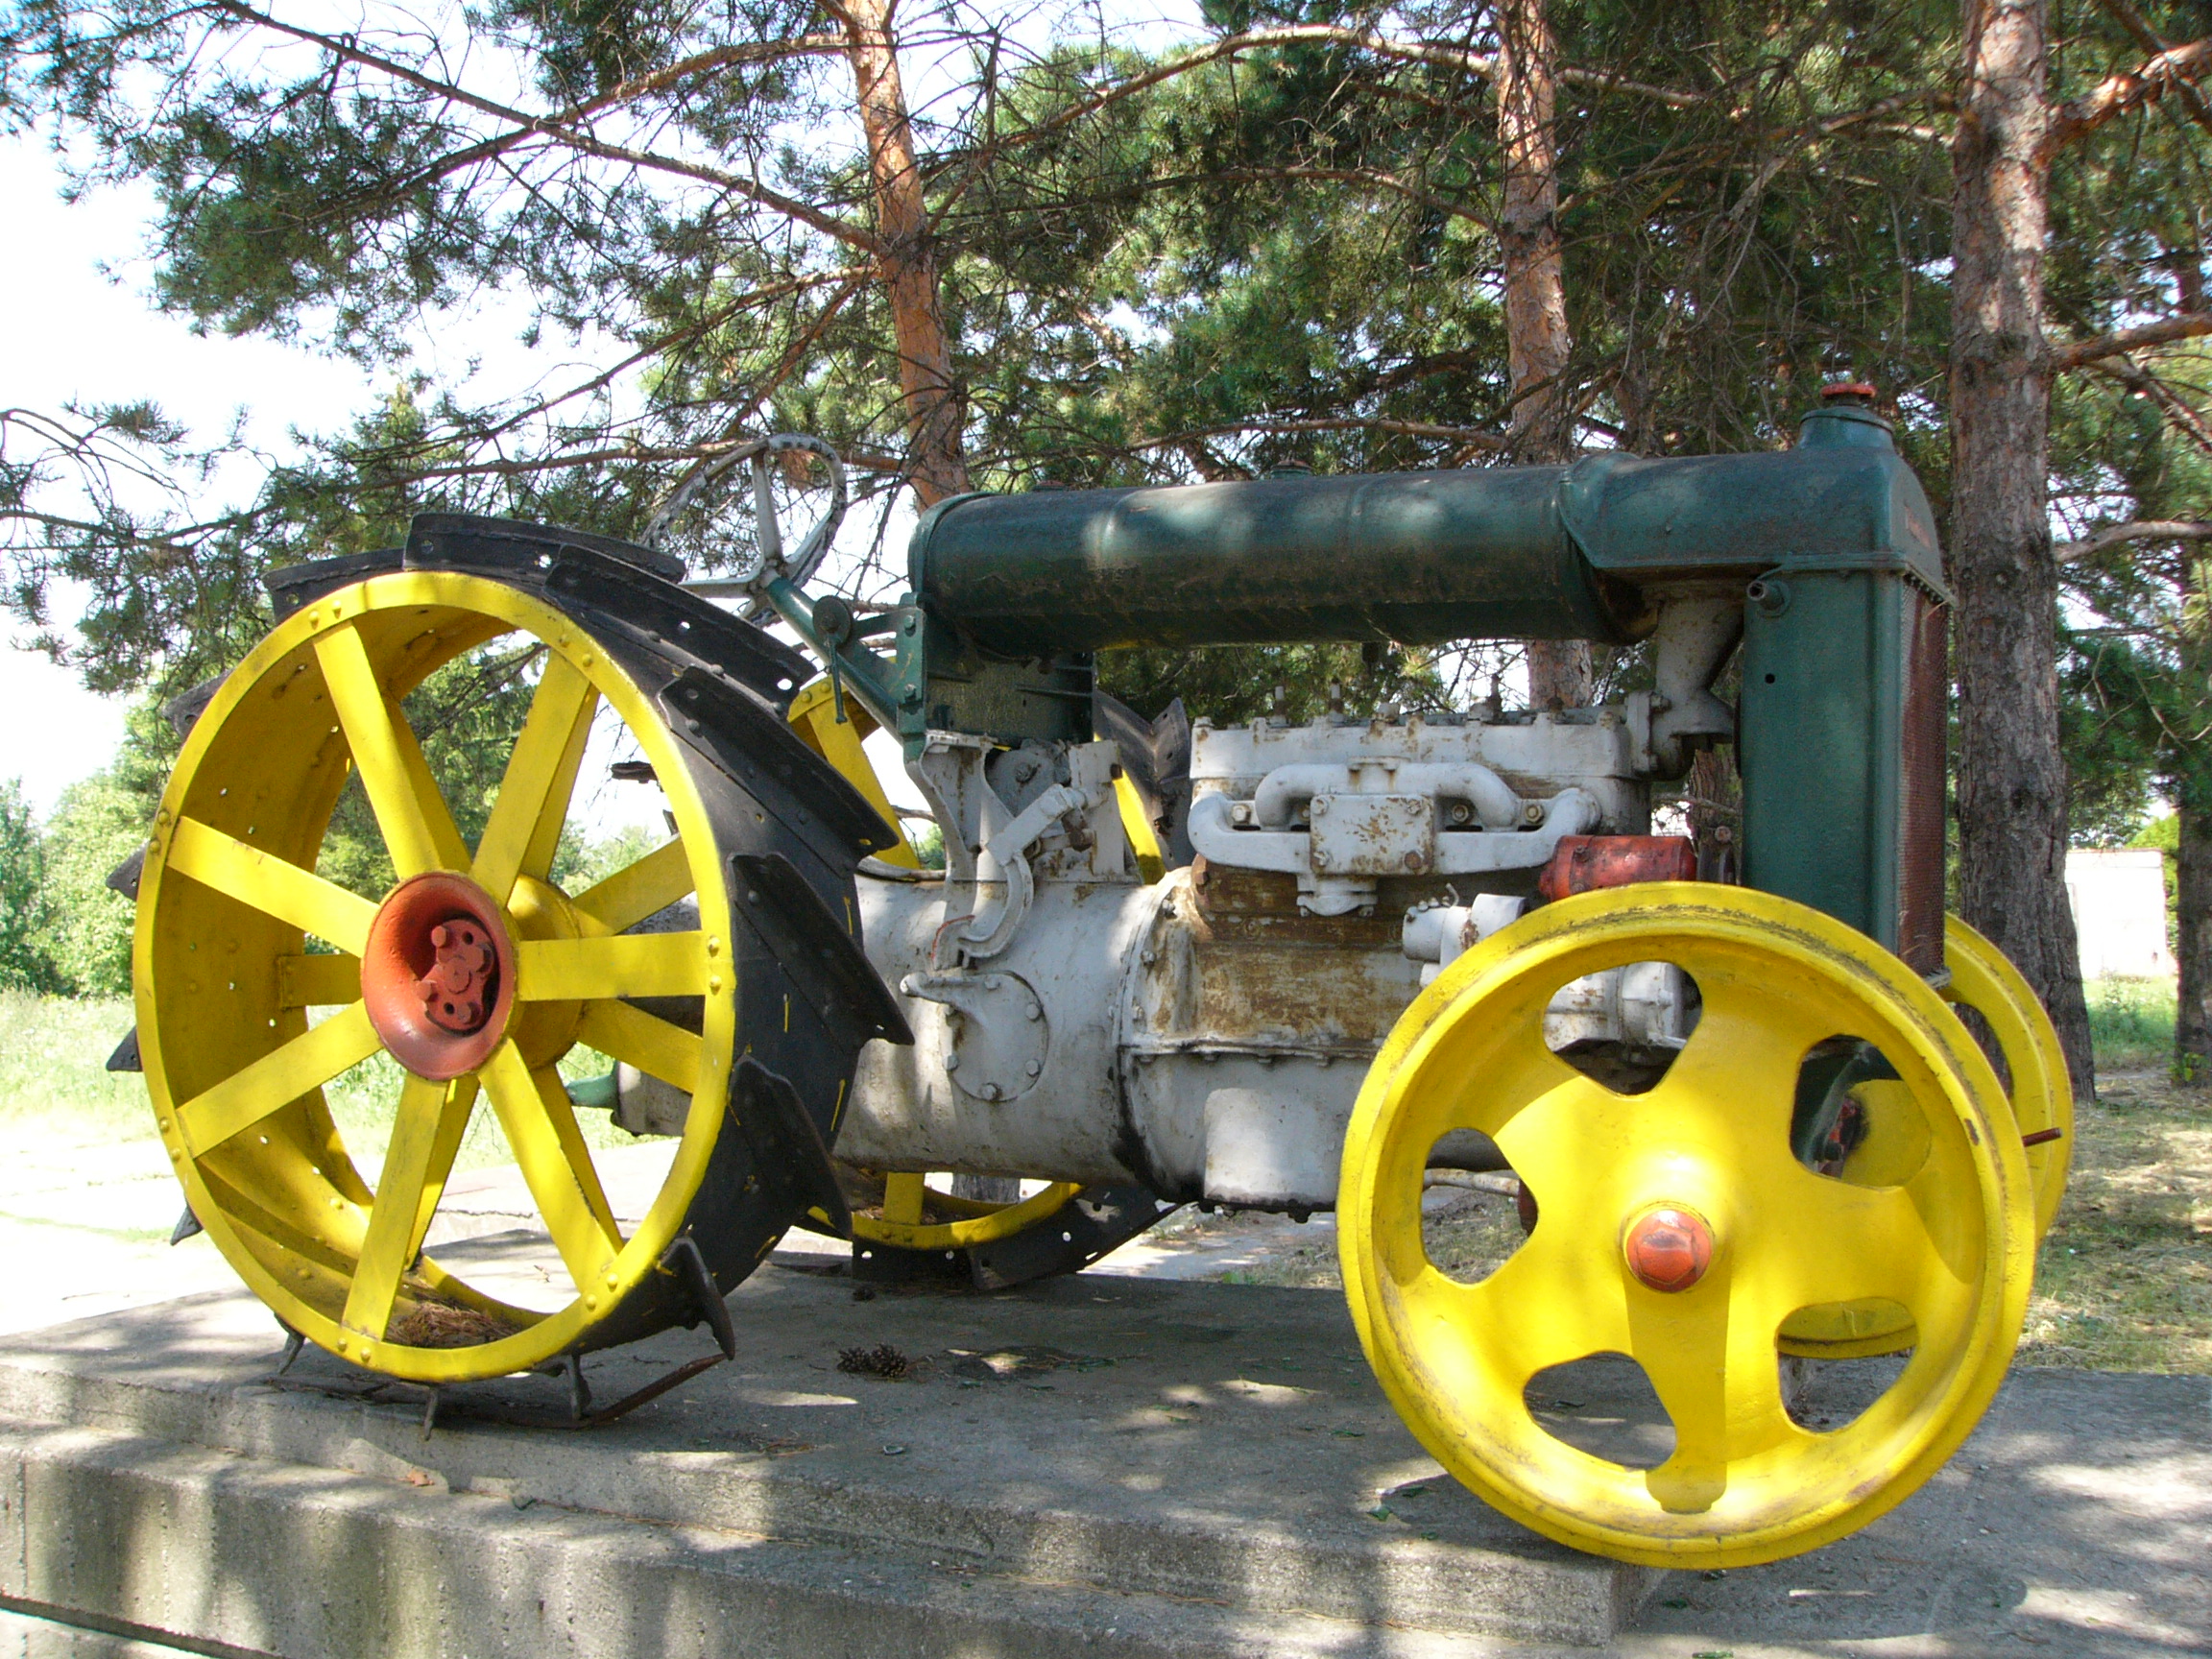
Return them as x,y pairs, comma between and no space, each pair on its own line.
1100,1463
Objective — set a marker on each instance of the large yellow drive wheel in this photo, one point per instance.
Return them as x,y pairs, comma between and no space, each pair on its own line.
1678,1227
476,973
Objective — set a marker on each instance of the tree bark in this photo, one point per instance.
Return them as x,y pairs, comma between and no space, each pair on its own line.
2011,775
1537,343
907,258
2192,946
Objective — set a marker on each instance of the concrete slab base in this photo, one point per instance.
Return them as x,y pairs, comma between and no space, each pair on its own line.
1095,1465
1162,1469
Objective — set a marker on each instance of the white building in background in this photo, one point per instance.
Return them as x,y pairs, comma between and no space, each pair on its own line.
2118,896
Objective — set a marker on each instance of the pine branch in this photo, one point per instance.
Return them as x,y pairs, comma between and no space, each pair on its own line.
1432,55
2145,37
2082,352
2175,69
2180,414
2137,530
1474,436
736,55
563,132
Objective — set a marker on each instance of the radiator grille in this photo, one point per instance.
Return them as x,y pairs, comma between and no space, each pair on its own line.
1920,784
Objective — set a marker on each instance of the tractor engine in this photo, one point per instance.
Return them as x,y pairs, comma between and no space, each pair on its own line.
1204,1037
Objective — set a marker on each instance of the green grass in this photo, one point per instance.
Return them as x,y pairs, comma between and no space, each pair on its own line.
54,1085
2132,1023
53,1077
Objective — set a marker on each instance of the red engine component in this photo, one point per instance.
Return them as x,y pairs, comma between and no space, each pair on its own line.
1585,862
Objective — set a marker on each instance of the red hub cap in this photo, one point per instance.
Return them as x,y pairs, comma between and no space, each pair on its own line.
1668,1248
439,974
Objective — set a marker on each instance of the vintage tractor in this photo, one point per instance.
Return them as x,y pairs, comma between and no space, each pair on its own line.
1293,968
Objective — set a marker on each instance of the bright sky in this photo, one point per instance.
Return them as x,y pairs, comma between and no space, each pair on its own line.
84,330
98,338
81,335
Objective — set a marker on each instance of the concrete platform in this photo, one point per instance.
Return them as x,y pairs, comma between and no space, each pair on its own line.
1190,1467
1099,1464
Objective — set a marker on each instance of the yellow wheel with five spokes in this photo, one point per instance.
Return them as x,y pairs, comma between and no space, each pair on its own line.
2042,1094
1678,1227
2040,1117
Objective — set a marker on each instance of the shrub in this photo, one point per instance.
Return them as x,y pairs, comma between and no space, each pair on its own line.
24,964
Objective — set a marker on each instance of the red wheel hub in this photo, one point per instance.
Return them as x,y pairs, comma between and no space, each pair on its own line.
1668,1248
439,974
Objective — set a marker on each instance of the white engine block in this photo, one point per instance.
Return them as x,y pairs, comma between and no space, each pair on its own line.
1341,804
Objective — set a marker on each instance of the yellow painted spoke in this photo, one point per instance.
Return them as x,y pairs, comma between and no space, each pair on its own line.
533,795
270,885
1713,1363
561,1113
1735,1080
318,981
452,1124
418,830
545,837
1828,1241
1949,1231
390,1245
540,1128
277,1078
902,1199
1555,1299
651,1044
1548,1140
640,890
620,965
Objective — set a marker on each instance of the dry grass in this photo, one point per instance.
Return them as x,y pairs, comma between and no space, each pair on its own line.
2125,1279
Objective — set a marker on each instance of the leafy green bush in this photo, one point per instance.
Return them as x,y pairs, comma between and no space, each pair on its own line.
2165,835
23,961
96,826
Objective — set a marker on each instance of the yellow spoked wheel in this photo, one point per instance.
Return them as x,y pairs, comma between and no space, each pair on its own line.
917,1216
2041,1100
914,1216
476,973
1679,1228
2042,1095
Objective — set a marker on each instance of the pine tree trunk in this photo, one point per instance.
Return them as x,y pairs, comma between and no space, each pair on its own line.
2011,776
1538,344
2193,944
908,260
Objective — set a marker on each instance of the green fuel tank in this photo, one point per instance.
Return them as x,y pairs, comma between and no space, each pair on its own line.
1420,557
